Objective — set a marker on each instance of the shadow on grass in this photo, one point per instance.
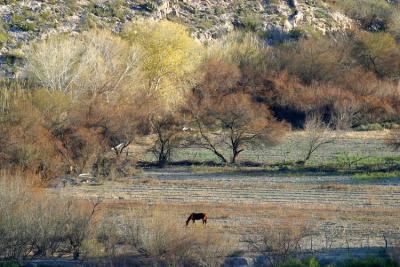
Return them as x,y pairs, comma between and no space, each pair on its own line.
372,171
120,261
331,257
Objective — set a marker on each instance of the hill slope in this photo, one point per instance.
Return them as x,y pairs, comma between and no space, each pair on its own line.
24,21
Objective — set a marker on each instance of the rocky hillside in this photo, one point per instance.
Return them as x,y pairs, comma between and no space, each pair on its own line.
25,20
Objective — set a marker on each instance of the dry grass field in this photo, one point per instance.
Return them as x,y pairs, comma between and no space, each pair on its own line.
253,211
335,211
338,211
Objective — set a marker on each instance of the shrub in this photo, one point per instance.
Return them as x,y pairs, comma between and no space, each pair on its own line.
378,52
150,5
314,59
243,49
394,24
308,262
368,262
21,22
9,264
373,15
25,142
165,242
370,127
393,139
108,9
296,33
250,22
8,2
280,243
32,223
3,36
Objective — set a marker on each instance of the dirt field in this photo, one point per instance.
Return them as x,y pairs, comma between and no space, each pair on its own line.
342,212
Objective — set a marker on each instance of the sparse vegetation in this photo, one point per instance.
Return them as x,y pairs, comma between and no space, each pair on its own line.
373,15
32,224
103,108
35,226
317,135
377,175
3,36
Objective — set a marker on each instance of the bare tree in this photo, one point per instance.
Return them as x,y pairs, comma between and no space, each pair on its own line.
53,63
120,125
168,130
96,62
226,118
232,122
346,112
111,60
318,134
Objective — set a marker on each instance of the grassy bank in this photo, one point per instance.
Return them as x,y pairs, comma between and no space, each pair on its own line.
377,175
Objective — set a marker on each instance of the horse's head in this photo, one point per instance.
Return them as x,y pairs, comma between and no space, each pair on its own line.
188,219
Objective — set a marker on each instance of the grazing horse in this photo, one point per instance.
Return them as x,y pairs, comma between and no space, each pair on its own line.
197,216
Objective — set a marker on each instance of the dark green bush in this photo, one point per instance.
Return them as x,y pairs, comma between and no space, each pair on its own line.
307,262
8,2
3,36
296,33
370,127
368,262
251,22
373,15
150,5
21,23
9,264
108,9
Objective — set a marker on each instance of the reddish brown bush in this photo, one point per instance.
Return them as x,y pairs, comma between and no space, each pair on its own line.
25,142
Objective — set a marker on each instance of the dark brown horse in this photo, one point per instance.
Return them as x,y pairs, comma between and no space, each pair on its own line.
196,217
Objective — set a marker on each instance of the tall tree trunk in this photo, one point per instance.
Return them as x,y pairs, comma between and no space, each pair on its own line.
235,142
235,154
220,156
162,155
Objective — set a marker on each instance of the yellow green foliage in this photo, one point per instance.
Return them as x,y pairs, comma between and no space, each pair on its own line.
378,52
169,56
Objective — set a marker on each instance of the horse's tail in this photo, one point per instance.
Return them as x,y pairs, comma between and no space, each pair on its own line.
188,219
